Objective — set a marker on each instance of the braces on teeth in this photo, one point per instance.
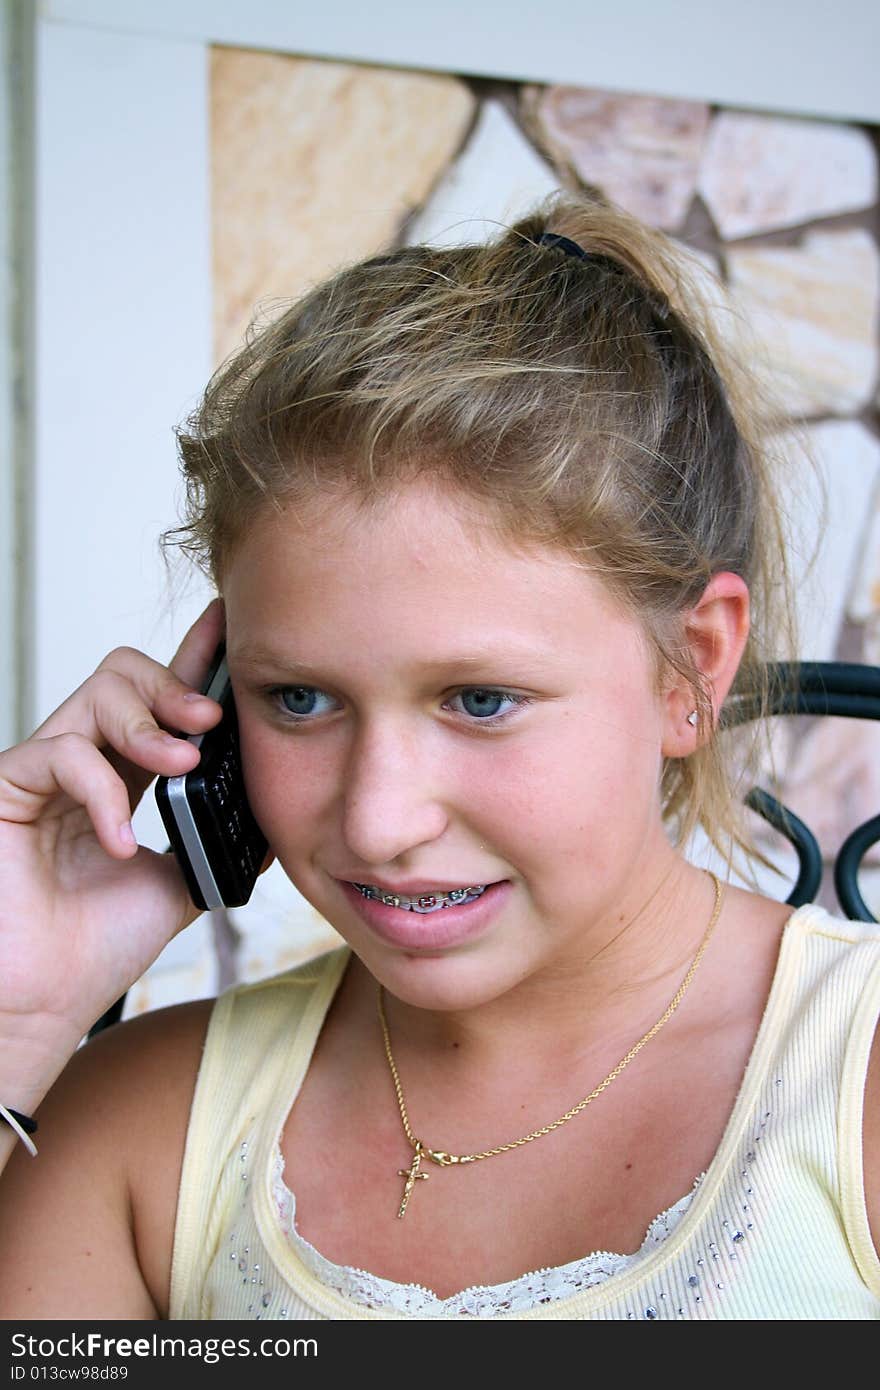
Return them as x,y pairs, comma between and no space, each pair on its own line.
427,902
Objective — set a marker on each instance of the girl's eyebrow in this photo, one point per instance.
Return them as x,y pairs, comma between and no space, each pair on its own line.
254,654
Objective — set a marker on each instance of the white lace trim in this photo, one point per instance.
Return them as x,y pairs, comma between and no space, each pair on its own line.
483,1300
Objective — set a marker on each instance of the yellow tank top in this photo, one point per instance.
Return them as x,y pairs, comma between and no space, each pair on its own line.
775,1229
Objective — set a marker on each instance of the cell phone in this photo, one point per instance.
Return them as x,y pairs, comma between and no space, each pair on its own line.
213,833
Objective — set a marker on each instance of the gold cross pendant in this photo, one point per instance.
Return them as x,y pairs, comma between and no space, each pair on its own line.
411,1174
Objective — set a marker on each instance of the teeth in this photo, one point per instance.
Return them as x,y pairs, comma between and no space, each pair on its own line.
424,902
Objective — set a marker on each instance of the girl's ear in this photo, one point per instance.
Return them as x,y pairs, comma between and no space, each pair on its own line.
716,631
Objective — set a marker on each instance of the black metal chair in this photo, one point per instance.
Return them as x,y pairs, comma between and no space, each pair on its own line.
817,687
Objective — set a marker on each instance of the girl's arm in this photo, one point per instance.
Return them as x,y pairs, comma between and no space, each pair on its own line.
88,1224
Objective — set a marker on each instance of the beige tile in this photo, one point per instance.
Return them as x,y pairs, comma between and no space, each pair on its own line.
813,308
826,533
314,165
642,152
864,601
763,172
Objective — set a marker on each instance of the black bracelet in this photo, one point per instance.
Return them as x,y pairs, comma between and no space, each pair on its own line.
28,1125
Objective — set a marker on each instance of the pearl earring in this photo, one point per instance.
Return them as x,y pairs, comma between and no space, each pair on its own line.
692,718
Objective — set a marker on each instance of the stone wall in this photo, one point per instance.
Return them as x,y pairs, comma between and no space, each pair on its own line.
316,164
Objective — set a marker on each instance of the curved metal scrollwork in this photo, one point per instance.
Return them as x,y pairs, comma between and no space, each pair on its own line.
820,688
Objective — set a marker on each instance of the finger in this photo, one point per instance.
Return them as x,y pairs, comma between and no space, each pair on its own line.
131,687
194,657
110,711
40,770
133,726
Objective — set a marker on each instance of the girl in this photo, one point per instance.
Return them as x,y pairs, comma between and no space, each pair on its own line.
492,533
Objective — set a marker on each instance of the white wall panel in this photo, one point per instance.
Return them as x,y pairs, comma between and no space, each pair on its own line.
123,337
809,57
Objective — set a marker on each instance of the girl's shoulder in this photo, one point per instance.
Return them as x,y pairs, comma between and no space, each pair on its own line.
113,1132
809,942
112,1135
147,1070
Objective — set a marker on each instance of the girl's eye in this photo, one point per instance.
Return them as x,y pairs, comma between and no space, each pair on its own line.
298,701
484,703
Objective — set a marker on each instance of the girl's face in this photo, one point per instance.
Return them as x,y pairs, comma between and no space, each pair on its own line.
422,707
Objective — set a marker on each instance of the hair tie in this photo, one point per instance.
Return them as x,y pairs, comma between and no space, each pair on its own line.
562,243
598,259
658,304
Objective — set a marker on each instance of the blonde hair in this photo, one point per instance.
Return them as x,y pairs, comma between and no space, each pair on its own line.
589,401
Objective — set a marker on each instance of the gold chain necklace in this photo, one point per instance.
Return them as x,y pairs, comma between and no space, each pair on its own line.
422,1151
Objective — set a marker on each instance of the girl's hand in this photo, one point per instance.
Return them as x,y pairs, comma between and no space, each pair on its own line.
83,909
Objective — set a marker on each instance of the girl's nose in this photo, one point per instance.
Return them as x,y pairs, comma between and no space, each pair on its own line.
393,795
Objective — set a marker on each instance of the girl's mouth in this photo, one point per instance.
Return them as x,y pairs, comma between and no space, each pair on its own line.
458,915
425,902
